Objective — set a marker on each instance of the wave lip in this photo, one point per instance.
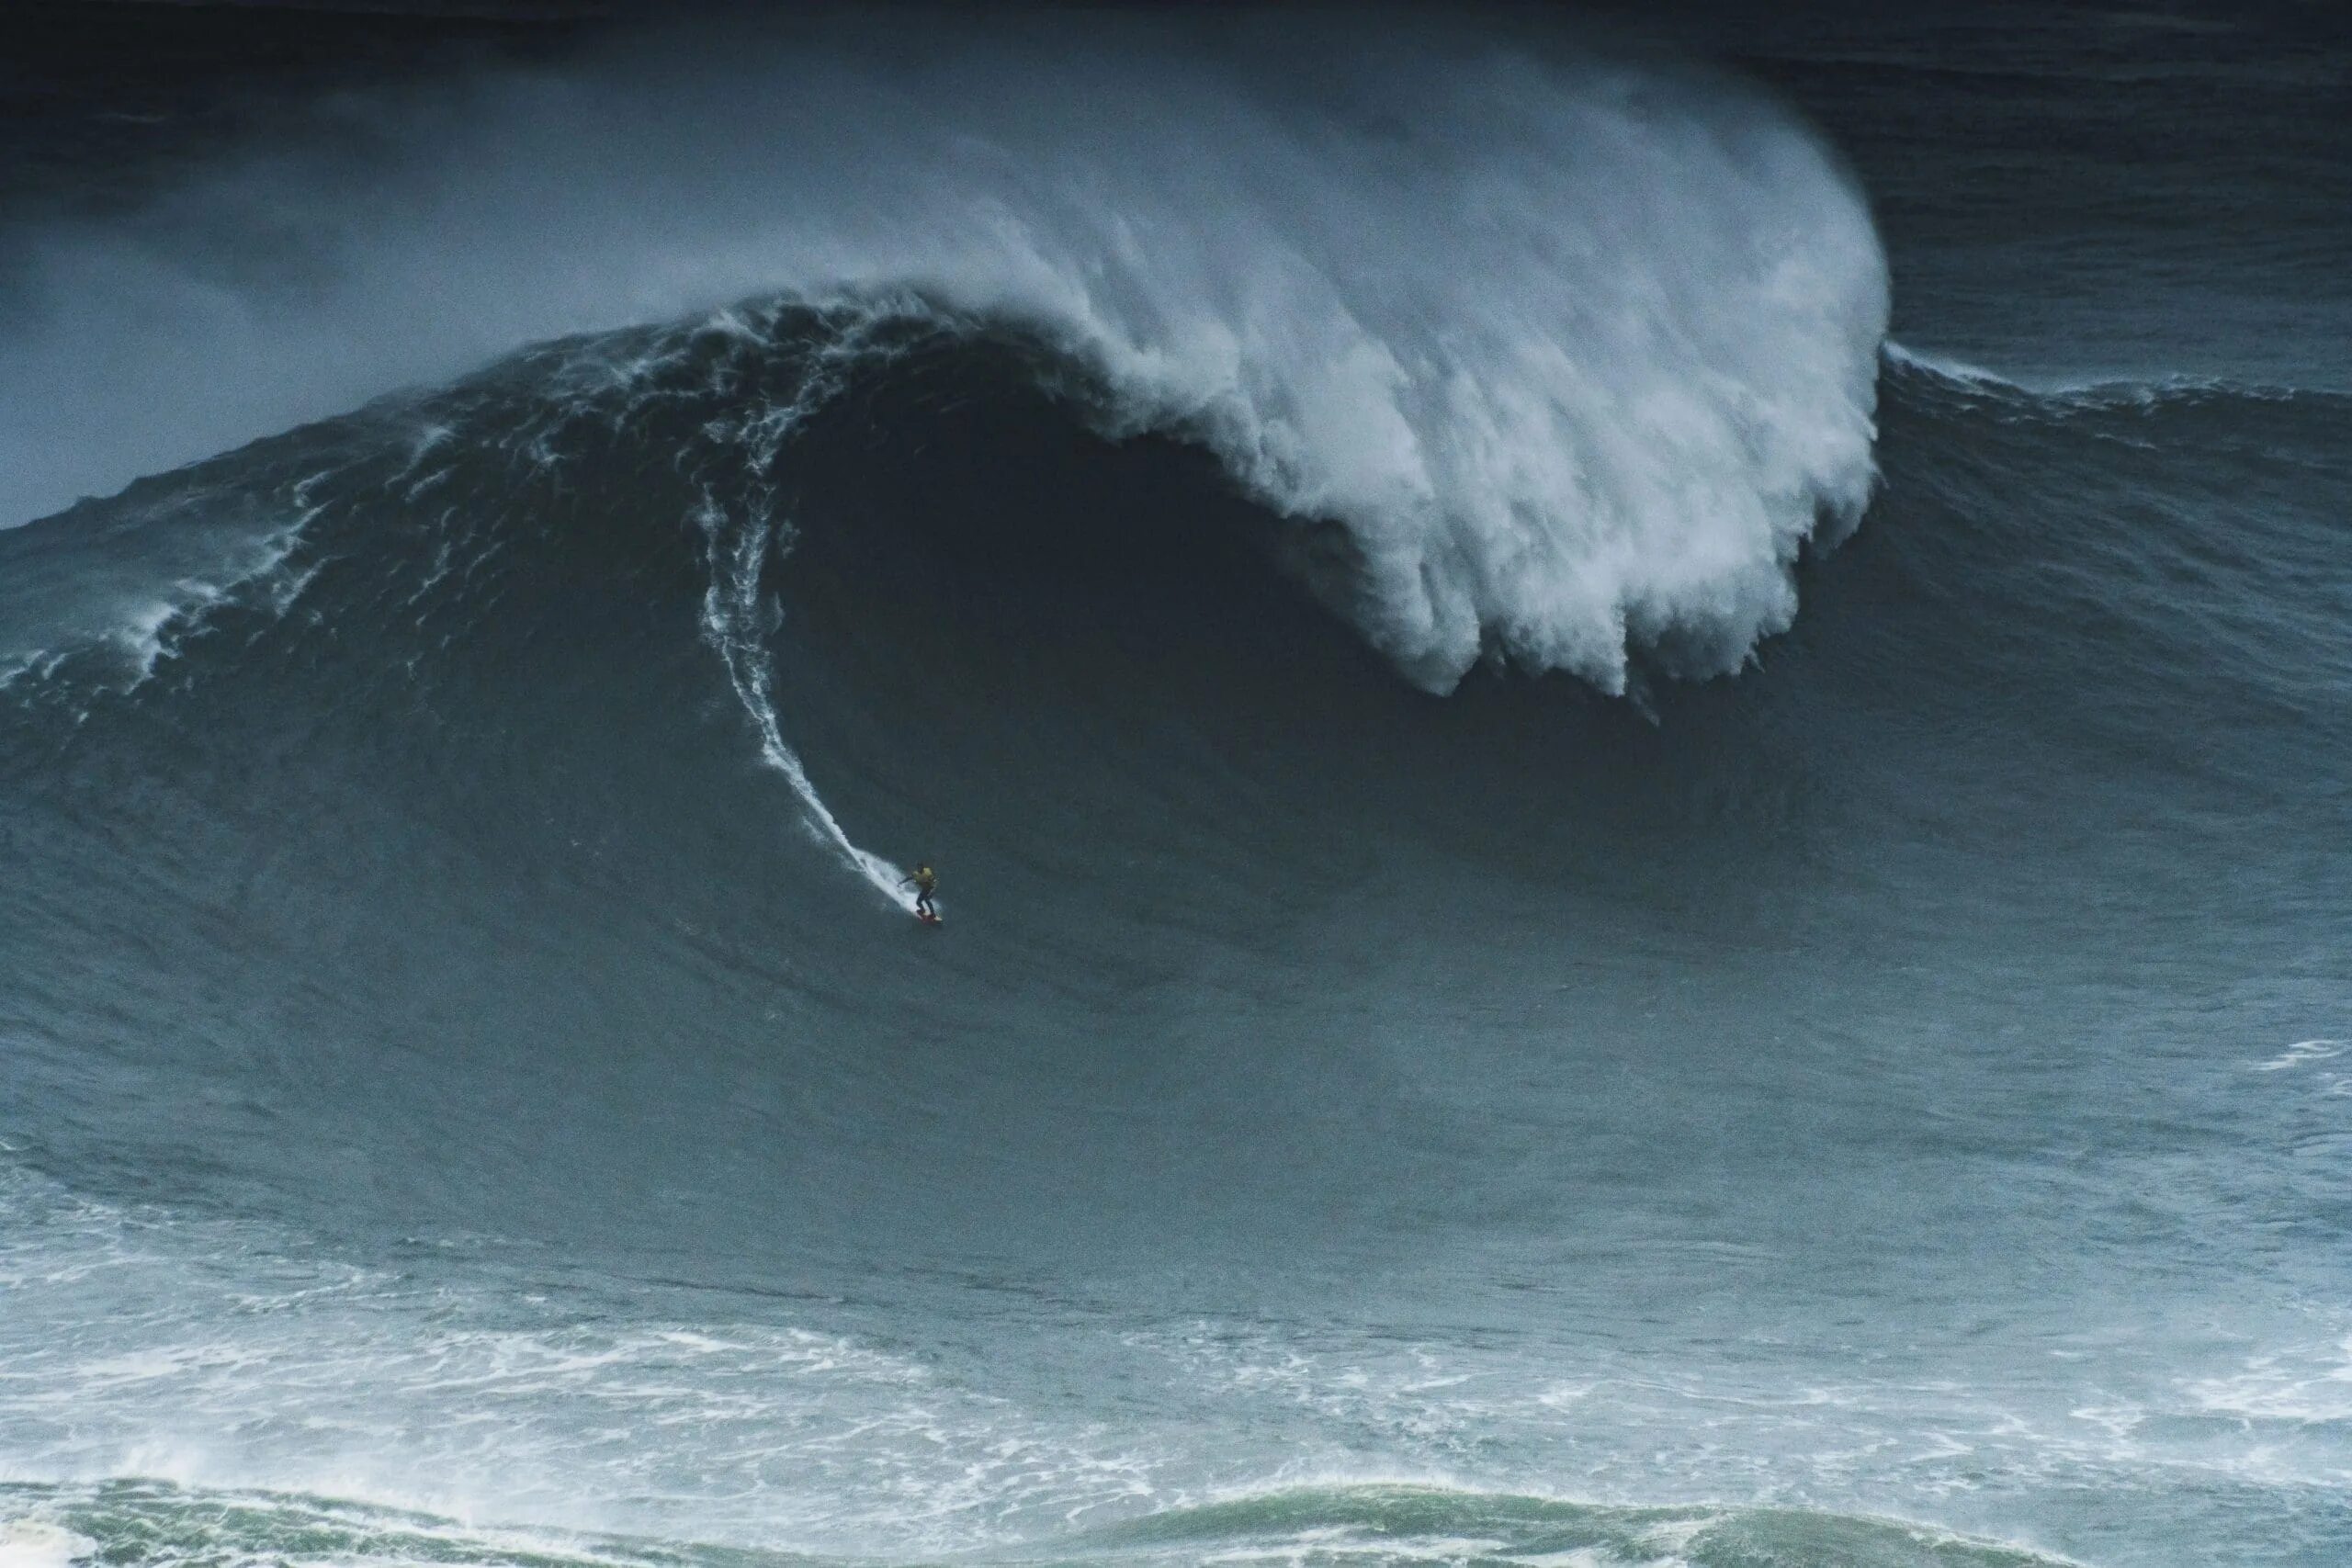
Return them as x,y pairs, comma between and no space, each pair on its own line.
1609,362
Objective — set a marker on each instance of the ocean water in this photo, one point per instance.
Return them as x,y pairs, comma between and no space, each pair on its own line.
1637,738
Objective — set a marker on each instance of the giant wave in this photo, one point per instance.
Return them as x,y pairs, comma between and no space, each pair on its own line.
460,1104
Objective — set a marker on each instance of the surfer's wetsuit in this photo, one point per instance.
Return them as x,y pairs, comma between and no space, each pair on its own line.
924,881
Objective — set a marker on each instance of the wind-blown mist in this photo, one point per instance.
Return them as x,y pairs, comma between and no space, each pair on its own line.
1579,356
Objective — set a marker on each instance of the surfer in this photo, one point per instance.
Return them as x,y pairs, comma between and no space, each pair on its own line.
924,881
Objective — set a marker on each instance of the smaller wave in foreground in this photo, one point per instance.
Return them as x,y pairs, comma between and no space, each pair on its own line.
1376,1525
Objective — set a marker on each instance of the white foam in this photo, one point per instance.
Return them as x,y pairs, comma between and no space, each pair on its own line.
143,614
1946,366
2089,392
32,1543
2311,1386
1579,356
2299,1053
1330,1544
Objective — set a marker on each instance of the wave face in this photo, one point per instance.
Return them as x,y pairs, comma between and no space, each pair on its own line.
1622,423
472,1092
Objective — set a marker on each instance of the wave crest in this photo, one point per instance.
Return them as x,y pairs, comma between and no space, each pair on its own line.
1578,354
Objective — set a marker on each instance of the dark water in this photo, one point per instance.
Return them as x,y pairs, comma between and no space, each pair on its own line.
1595,915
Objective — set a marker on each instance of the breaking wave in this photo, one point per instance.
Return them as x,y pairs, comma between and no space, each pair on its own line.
1579,355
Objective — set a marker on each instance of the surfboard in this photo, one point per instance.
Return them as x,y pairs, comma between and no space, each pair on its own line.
927,920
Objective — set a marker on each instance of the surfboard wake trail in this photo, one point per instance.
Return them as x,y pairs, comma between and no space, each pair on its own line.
737,618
